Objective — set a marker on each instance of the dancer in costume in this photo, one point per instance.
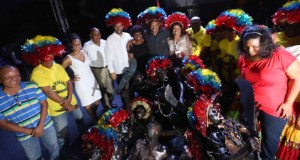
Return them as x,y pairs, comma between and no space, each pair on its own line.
226,139
105,141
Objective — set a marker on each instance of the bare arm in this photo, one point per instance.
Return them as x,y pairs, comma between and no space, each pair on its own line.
67,62
39,130
55,97
293,72
4,124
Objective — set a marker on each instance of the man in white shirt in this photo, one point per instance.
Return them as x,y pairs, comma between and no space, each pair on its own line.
94,48
117,56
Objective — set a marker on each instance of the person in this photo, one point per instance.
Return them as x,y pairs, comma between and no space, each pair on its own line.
289,38
179,43
86,85
106,140
94,48
226,139
149,147
200,40
117,56
23,110
156,37
287,18
260,60
56,84
139,49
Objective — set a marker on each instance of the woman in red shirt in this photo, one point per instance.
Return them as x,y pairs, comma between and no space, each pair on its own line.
274,75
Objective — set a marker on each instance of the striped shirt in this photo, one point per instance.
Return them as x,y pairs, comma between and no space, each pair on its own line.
24,108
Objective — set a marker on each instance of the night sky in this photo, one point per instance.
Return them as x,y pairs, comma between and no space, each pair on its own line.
24,19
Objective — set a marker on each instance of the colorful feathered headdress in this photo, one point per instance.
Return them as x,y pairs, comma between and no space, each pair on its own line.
197,114
204,81
104,134
211,26
191,63
156,63
235,19
140,101
178,17
117,15
113,117
288,13
151,13
40,47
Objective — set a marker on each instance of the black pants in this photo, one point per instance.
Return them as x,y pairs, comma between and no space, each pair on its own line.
271,128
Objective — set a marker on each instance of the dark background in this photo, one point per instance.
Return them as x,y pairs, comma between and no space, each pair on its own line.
24,19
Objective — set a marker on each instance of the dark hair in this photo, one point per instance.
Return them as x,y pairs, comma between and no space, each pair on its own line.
171,29
266,46
74,36
135,29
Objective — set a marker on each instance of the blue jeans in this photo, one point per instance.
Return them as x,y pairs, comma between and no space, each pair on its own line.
32,146
61,125
271,128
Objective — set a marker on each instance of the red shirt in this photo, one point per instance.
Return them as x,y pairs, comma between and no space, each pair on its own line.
268,79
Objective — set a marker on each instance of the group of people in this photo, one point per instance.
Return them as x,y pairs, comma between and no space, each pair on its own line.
38,109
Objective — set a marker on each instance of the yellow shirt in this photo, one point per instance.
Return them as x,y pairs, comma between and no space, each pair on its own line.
214,45
56,78
285,41
227,47
199,40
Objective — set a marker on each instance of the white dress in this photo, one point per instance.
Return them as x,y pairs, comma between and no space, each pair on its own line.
86,87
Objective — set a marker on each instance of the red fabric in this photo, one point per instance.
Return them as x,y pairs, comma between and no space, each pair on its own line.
268,79
157,3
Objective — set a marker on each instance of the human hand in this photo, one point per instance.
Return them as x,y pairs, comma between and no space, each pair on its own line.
255,144
285,110
38,131
68,107
113,76
130,44
76,78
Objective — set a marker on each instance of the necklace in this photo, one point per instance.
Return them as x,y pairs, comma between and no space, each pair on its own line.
16,98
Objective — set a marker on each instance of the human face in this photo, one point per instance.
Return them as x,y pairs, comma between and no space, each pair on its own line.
118,28
95,36
138,36
176,30
139,112
49,62
252,47
76,45
154,27
10,77
195,24
214,116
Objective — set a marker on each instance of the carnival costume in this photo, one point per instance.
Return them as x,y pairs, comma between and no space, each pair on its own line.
151,13
289,147
104,141
40,47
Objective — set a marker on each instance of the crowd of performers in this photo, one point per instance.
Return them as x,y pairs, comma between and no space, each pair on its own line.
224,91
